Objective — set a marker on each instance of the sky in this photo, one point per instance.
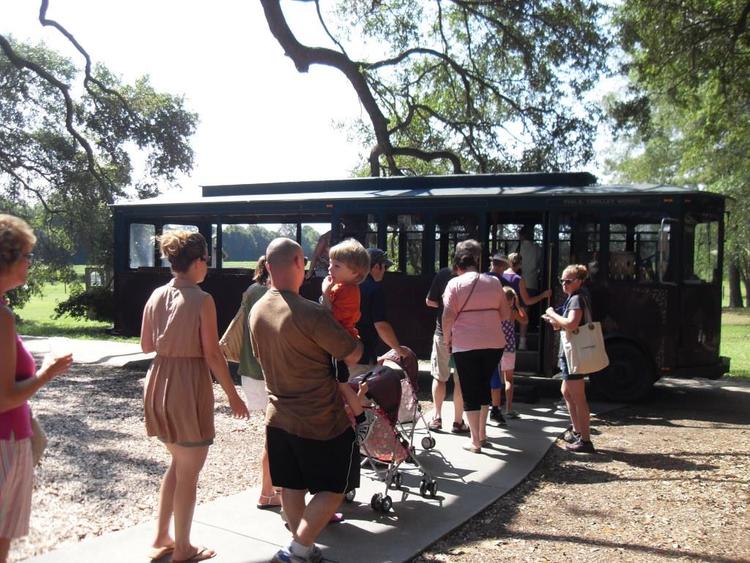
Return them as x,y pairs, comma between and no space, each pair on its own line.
260,120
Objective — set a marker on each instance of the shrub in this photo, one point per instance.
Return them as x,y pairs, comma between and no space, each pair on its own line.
97,303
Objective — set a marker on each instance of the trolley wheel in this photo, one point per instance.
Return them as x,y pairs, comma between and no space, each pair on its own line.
377,501
432,488
349,496
396,481
423,488
385,504
629,377
428,442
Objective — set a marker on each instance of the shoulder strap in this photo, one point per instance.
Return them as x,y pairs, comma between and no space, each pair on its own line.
473,286
588,317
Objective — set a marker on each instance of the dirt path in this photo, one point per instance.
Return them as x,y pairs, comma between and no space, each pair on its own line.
671,482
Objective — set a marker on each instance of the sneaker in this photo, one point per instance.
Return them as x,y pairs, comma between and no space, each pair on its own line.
581,447
286,556
497,416
570,436
512,415
363,429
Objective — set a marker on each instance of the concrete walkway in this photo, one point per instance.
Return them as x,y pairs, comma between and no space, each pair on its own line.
107,352
467,483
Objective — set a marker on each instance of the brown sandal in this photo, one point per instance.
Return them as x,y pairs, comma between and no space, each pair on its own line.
460,428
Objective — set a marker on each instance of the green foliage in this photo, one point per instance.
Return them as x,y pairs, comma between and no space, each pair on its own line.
96,303
47,174
502,85
684,117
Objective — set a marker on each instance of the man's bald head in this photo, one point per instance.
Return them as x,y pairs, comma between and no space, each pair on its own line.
286,264
282,251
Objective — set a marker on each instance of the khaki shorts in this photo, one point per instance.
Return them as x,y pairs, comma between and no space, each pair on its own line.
256,396
440,359
508,361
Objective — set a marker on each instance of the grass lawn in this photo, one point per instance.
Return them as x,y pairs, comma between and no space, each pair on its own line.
735,334
36,318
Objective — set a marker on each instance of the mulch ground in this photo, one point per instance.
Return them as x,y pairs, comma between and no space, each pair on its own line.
670,481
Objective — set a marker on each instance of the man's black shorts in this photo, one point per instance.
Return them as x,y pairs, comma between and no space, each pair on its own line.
315,465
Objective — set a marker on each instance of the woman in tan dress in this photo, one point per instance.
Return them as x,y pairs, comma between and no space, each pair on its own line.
179,324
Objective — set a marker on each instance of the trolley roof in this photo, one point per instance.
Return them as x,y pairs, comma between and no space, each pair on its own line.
576,184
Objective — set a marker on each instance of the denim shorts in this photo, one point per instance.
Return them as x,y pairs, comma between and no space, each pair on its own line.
566,375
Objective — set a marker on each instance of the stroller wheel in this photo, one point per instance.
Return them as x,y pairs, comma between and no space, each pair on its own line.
349,496
432,488
381,503
423,488
428,442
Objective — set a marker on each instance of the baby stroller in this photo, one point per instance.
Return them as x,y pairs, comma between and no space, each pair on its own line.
410,411
391,388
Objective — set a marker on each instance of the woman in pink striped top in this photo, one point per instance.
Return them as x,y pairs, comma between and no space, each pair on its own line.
474,307
19,380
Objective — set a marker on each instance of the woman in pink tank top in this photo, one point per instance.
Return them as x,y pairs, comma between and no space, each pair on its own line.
474,306
19,380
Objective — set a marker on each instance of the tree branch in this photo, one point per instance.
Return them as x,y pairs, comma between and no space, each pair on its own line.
28,187
22,63
87,76
304,56
430,155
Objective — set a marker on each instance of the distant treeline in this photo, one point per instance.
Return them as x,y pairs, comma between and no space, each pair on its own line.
248,242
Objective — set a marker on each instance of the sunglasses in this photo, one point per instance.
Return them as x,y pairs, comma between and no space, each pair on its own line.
566,282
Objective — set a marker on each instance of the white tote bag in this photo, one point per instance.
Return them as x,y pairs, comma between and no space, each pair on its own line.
584,347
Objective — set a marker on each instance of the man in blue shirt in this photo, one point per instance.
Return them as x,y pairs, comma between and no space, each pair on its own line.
373,325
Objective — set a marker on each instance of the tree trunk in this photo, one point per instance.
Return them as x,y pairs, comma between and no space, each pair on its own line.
735,290
746,279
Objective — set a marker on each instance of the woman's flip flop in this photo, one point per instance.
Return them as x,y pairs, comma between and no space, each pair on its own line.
202,554
266,502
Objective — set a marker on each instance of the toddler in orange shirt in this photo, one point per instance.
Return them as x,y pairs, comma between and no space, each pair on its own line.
349,265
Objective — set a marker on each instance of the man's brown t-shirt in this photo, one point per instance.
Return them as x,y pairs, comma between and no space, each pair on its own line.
294,339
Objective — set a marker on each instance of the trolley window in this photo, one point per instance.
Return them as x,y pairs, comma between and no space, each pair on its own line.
142,252
700,250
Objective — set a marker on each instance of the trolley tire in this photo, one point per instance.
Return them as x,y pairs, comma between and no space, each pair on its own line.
423,488
629,377
349,496
386,503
